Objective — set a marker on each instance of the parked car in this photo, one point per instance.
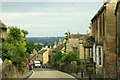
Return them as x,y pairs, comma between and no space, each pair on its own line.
37,64
30,66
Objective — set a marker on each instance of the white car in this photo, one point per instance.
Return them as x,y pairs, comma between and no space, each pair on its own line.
37,64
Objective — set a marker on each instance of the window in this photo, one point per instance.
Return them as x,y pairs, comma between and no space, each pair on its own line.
92,53
103,25
95,53
100,27
99,55
96,25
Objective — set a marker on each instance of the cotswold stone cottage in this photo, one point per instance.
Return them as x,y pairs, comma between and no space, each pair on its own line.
117,13
104,32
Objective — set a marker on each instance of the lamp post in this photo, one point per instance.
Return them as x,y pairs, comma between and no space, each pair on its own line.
90,68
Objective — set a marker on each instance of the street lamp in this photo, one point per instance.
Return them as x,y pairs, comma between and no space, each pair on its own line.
90,68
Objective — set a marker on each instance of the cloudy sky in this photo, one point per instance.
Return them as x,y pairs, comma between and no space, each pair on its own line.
49,18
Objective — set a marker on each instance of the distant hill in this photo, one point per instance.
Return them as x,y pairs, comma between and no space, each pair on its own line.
44,40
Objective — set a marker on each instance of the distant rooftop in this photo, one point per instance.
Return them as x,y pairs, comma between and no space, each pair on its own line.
80,36
42,51
58,48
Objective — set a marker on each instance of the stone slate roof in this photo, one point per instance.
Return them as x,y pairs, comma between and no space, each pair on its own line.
99,11
42,51
32,57
89,41
80,36
2,25
58,48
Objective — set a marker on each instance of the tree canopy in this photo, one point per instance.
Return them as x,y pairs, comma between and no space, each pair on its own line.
57,57
14,45
64,58
30,46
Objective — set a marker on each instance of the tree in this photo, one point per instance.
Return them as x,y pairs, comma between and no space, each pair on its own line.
57,57
8,50
14,46
39,47
25,32
67,35
64,58
30,46
68,58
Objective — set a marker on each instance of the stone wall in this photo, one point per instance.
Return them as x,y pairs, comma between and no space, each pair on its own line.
110,41
118,38
104,31
9,71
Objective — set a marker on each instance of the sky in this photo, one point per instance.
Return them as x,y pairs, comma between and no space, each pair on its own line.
50,18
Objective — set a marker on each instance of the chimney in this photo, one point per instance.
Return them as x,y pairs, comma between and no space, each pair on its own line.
50,47
59,43
46,47
42,47
55,45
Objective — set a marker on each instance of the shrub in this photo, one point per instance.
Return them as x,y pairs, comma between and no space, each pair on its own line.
9,62
23,70
23,64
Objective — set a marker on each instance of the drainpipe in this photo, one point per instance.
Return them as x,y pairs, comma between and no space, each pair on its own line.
116,50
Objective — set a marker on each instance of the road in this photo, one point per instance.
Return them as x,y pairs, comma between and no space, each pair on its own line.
49,74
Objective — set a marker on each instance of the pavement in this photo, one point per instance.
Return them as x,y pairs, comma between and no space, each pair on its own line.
79,76
49,74
25,75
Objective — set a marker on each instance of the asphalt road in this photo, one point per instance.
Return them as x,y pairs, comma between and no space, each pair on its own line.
49,74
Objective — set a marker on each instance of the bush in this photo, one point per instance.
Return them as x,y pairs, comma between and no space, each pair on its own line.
23,70
9,62
23,64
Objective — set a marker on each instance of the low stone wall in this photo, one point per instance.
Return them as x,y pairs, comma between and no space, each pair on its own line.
68,68
9,71
2,67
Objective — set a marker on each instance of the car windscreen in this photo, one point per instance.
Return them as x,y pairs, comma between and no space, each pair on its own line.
37,63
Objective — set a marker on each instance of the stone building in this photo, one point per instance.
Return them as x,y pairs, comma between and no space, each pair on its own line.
43,55
3,30
60,47
117,13
88,48
104,32
75,44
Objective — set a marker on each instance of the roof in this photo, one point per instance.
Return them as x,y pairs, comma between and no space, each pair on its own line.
80,36
118,3
42,51
2,25
99,11
58,48
32,57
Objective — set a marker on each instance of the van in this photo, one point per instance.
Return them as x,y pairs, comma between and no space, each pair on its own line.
37,64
